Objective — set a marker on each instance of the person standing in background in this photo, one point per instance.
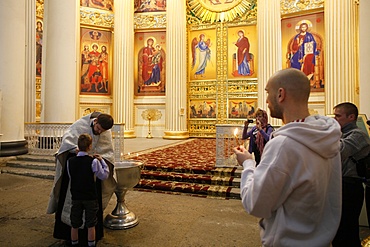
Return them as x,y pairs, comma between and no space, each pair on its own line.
259,135
354,145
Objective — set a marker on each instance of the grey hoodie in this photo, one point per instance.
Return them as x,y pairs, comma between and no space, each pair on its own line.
296,188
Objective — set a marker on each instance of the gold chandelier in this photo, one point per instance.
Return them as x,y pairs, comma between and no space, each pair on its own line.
219,10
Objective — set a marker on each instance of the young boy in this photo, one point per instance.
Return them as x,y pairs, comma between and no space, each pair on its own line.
82,170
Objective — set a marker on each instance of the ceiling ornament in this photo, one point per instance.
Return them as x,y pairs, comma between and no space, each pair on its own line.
219,10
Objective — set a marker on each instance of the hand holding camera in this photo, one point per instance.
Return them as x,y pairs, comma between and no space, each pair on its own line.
248,121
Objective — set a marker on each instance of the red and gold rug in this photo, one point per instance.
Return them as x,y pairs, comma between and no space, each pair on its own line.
186,168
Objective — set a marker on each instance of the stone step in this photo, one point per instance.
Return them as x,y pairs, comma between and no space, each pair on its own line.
45,174
29,164
37,158
191,178
217,182
201,190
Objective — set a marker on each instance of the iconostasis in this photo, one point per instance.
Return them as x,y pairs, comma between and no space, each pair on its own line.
222,59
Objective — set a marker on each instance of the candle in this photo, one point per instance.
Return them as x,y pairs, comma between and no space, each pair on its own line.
236,136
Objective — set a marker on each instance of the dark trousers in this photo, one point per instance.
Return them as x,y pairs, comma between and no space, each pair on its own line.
367,202
348,234
62,230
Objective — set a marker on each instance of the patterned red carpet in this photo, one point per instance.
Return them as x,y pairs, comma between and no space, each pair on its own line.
186,168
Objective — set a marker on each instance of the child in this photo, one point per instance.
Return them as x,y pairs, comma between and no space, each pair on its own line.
81,170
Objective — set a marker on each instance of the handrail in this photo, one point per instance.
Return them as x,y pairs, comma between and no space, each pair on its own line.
46,138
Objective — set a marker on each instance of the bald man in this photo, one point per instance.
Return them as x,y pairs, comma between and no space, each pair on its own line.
296,188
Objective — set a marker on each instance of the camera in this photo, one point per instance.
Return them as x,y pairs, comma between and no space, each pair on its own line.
250,120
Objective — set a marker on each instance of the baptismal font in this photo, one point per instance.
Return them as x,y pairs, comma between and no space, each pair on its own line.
127,173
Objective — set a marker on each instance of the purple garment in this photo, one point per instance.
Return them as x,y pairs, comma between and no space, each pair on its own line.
99,168
252,134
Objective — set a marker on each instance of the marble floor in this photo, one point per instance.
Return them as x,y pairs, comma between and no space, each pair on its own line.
137,145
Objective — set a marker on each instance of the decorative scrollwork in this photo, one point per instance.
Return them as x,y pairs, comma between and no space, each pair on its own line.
145,21
293,6
96,17
40,8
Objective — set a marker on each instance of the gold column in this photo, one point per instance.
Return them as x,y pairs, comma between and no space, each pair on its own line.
123,78
269,47
175,124
340,50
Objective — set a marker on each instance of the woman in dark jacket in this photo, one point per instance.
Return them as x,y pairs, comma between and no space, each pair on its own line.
259,135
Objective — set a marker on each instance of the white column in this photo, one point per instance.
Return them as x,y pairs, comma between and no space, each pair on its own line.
30,68
175,123
364,55
269,47
123,78
59,78
12,79
340,50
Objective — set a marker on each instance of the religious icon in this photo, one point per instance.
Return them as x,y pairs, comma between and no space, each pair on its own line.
243,58
202,108
242,47
149,5
304,50
39,37
99,4
242,108
203,55
151,66
95,61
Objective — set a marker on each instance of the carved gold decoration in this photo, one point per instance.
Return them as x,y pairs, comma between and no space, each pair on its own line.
38,88
243,88
40,8
219,10
202,89
222,60
145,21
96,17
293,6
202,128
38,111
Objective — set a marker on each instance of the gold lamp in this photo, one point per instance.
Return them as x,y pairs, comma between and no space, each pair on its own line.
151,115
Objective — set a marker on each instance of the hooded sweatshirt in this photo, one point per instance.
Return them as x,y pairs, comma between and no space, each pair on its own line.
296,188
